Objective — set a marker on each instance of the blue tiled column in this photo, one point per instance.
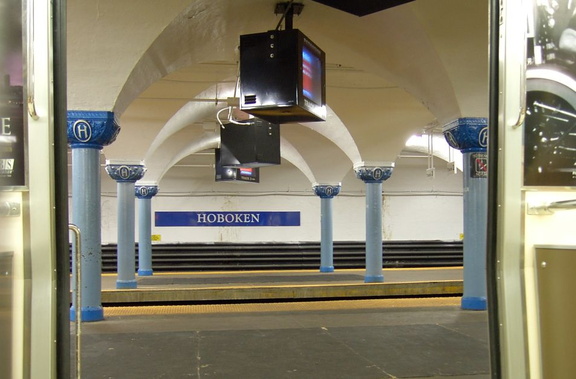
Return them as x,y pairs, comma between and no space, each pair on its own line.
373,175
145,193
326,192
126,174
470,136
88,133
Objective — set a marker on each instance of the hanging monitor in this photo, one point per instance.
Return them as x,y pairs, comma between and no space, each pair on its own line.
252,144
235,174
282,77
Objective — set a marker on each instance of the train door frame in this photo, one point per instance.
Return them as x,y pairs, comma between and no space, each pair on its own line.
514,323
40,307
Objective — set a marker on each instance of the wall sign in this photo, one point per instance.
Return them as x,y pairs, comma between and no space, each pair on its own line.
208,218
12,165
478,165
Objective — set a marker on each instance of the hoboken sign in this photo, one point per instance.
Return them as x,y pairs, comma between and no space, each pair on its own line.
207,218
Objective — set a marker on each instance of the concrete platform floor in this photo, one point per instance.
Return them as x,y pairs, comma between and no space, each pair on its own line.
190,287
382,338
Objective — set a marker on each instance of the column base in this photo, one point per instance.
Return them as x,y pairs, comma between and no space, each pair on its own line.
126,284
145,272
373,278
326,268
473,303
88,314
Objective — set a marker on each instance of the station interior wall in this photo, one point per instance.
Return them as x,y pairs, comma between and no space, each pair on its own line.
415,206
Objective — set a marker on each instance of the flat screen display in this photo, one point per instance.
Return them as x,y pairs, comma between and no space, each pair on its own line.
235,174
248,172
311,75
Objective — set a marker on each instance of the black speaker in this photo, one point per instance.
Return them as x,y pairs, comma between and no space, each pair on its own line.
254,144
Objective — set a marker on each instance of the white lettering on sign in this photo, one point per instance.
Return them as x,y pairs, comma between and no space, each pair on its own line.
228,218
82,131
5,126
6,167
451,140
483,137
124,172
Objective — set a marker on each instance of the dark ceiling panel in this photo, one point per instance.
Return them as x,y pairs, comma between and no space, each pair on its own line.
362,7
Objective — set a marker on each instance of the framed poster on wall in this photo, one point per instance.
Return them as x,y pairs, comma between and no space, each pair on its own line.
12,78
550,124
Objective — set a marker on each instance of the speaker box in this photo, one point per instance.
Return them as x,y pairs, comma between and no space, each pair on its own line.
255,144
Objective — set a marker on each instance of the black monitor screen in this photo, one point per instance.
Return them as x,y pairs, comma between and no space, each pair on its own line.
311,75
248,173
234,174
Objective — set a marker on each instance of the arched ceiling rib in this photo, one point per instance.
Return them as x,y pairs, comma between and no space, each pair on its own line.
206,141
336,131
196,35
190,113
389,74
157,170
197,111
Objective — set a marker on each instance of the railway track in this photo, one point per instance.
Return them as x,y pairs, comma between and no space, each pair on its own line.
286,256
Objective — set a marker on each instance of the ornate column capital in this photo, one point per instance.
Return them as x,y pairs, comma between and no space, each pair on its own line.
91,129
326,191
468,134
145,191
373,172
125,171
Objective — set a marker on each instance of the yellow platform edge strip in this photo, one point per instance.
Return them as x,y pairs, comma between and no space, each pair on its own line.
281,307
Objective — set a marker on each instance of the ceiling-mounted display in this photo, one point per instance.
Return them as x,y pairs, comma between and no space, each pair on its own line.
234,174
282,77
362,7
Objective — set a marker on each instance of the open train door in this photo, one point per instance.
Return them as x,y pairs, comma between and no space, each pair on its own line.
34,268
532,196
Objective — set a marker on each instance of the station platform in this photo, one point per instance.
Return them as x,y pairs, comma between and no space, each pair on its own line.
340,339
285,285
267,325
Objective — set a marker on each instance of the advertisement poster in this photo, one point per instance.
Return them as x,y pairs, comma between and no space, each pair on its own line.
12,164
550,123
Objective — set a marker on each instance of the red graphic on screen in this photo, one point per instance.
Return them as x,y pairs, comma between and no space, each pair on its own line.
311,76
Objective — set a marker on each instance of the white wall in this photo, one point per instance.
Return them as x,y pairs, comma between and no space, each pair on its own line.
415,206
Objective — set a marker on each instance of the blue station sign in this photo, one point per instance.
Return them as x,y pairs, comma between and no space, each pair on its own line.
207,218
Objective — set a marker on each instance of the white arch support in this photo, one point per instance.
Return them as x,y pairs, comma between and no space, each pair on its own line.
335,130
289,152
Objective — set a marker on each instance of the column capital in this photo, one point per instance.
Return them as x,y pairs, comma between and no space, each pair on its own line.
91,129
326,191
467,134
145,191
373,172
125,171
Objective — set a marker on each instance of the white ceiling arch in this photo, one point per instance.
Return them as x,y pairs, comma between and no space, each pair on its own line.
156,172
203,109
389,74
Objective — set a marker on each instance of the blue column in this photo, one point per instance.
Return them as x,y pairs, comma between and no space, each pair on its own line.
470,136
88,132
145,193
326,192
373,175
126,174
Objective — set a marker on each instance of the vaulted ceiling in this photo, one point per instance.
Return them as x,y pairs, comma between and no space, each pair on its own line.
167,68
